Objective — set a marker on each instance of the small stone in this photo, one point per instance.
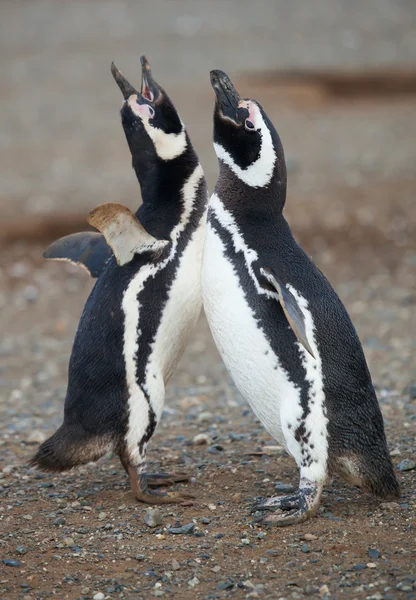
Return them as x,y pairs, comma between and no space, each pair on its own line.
200,439
183,530
11,563
59,521
31,293
389,505
245,541
36,437
153,517
284,488
205,520
309,537
205,416
359,567
225,585
68,542
373,553
99,596
305,549
102,516
395,452
212,507
175,565
376,596
261,535
193,582
324,590
274,450
406,465
27,517
371,565
21,549
140,557
216,569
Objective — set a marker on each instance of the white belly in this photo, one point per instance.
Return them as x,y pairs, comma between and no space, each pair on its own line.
244,348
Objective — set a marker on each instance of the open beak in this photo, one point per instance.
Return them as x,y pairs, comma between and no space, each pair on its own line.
150,90
227,96
126,88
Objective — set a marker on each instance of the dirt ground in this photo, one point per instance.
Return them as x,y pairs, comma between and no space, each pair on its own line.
351,204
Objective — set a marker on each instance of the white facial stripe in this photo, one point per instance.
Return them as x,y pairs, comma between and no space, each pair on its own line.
259,173
167,145
138,406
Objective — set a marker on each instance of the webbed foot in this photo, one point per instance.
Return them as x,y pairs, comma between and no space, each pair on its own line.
302,505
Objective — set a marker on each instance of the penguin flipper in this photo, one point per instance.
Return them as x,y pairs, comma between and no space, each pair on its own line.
123,232
86,249
290,306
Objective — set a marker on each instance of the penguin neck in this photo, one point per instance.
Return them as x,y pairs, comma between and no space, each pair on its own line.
166,205
246,201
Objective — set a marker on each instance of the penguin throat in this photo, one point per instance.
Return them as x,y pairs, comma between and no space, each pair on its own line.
259,174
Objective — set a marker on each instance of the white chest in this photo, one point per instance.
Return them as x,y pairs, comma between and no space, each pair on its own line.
244,348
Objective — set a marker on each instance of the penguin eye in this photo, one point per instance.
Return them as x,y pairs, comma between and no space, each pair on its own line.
249,125
151,112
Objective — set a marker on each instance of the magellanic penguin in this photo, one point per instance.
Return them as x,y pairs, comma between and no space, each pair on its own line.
145,303
283,333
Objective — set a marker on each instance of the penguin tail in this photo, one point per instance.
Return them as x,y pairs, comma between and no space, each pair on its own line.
374,474
69,447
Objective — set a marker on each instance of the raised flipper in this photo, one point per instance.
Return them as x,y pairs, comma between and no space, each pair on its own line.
290,307
123,232
87,249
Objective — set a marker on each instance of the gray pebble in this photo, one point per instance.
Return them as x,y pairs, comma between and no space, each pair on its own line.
153,517
205,520
21,549
373,553
185,529
59,521
406,465
284,488
305,548
11,563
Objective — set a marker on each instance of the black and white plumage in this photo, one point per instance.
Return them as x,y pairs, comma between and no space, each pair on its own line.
281,329
145,303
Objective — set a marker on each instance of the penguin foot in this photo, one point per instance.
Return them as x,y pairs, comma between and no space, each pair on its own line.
139,483
164,479
303,505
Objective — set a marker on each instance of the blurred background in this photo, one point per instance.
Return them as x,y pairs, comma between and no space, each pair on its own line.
338,79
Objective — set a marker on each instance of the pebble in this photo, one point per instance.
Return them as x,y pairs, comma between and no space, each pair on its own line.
183,530
309,537
200,439
36,437
305,549
31,293
175,565
153,517
406,465
99,596
102,516
371,565
274,450
389,505
21,549
205,520
284,488
68,542
193,582
324,590
225,585
11,563
373,553
59,521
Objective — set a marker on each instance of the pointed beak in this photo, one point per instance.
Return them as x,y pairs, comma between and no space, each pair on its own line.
126,88
150,90
227,96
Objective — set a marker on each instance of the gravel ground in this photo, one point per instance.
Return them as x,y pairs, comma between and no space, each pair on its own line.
351,204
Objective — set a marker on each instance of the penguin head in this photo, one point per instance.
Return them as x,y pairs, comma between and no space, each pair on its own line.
153,128
244,137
